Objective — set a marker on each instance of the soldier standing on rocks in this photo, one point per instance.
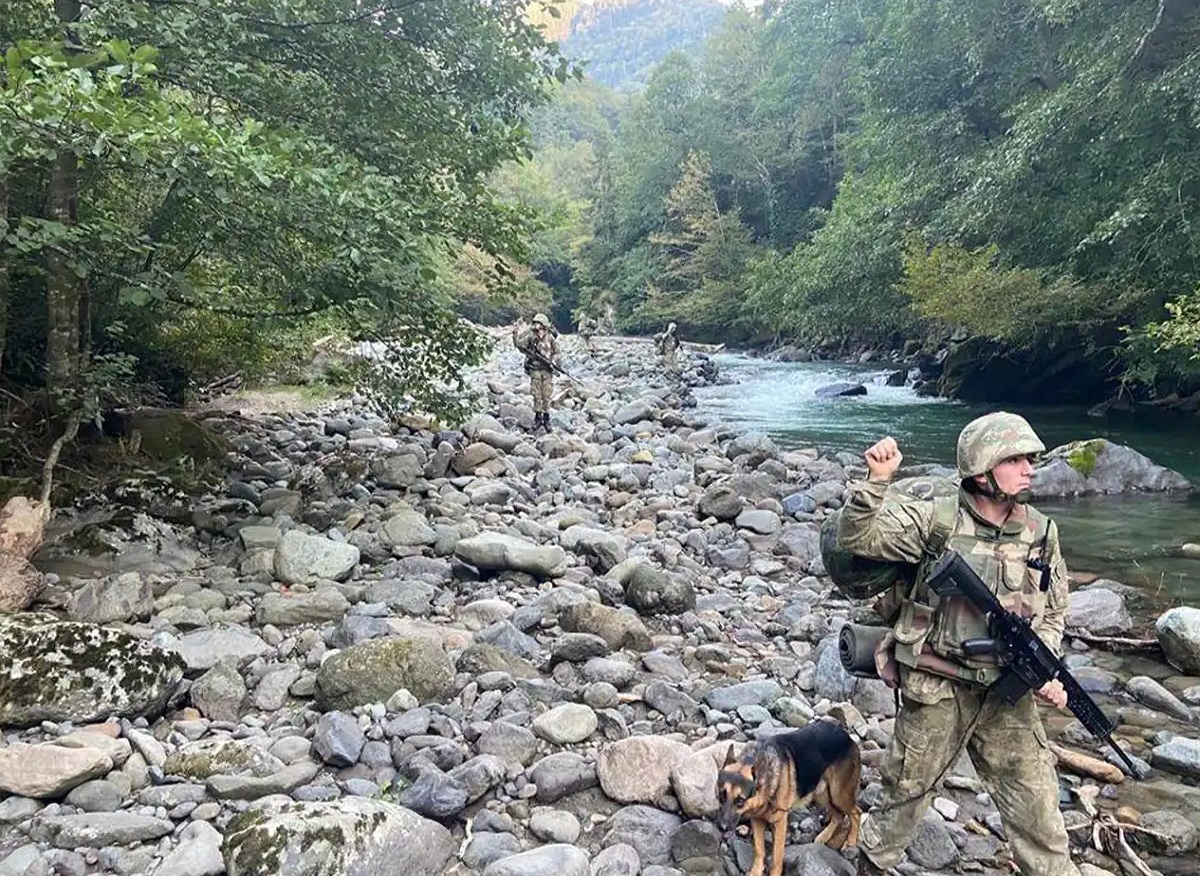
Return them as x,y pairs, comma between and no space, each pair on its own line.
945,702
587,328
540,347
668,347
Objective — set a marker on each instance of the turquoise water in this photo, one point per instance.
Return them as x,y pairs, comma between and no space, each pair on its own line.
1134,539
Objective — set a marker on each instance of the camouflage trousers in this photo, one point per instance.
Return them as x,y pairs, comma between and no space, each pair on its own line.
541,383
1009,750
670,358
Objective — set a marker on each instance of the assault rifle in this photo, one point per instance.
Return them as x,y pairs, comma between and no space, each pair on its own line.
1028,663
547,361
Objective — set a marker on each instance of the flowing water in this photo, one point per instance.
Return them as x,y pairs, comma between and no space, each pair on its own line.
1134,539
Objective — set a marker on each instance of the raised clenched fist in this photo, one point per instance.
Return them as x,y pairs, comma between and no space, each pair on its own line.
883,458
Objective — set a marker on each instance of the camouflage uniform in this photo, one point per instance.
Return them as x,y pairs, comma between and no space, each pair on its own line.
668,347
541,378
587,328
944,691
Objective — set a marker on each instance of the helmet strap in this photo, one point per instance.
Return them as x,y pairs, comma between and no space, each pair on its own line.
999,495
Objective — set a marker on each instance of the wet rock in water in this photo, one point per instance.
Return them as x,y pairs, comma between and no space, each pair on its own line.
53,670
840,390
1178,631
371,671
1097,466
346,837
1098,610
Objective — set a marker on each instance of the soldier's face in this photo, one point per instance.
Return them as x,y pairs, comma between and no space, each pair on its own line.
1013,474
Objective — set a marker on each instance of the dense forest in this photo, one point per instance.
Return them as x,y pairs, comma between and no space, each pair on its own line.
1021,176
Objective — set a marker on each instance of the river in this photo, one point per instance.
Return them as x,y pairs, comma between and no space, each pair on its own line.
1132,539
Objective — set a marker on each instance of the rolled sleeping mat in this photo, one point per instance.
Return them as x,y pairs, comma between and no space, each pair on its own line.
856,649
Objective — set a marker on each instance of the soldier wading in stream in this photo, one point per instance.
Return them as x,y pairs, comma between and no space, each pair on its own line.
540,347
1015,549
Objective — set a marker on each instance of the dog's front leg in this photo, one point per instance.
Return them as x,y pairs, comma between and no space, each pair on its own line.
778,841
758,827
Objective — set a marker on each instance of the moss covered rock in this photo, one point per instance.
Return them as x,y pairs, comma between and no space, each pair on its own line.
221,755
1100,467
353,836
52,670
372,671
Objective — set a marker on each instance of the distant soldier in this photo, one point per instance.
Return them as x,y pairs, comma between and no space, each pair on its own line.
587,328
540,347
668,347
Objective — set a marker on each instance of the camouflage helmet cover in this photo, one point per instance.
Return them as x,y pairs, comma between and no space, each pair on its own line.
540,319
987,441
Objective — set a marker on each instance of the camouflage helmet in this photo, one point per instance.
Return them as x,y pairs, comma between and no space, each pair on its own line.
671,327
540,319
987,441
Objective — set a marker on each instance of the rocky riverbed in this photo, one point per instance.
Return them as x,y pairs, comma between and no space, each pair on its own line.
380,648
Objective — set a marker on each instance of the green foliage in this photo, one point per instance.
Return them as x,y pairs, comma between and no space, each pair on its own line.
245,168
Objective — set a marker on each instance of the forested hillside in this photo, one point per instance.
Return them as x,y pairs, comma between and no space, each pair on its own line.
1023,173
622,40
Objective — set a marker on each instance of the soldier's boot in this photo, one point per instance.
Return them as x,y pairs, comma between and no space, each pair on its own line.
546,422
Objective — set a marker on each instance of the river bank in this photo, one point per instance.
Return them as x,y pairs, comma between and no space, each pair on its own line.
384,648
1136,538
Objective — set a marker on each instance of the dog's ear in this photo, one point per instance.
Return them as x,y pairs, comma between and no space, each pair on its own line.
729,758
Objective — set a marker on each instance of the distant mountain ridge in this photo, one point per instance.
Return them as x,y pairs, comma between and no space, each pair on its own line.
622,40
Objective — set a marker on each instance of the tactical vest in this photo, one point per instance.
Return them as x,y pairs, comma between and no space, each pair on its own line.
929,624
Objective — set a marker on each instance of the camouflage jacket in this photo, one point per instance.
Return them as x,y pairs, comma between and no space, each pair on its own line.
526,340
874,527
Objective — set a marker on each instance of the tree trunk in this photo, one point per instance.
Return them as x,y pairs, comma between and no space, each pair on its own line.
4,185
62,282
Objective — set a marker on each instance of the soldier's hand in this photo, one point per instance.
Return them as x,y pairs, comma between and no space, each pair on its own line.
883,458
1053,693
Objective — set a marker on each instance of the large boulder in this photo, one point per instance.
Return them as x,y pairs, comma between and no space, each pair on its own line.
52,670
1098,466
371,671
353,836
1178,633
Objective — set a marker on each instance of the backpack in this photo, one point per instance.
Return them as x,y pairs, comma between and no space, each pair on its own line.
857,577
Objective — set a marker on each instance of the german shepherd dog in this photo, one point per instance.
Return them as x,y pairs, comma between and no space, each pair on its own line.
819,762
